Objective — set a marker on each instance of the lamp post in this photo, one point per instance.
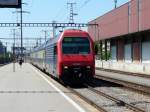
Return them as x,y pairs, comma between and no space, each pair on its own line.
21,32
14,56
21,28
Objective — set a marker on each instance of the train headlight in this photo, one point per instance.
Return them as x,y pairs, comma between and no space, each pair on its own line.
88,67
65,67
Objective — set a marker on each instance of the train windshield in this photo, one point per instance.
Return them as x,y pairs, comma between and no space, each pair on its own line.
75,45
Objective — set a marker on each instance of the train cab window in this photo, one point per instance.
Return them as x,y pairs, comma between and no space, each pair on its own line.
76,45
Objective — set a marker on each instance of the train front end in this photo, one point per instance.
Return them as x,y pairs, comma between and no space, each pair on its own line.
77,60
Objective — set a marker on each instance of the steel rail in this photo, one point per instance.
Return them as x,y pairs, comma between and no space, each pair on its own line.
92,103
124,72
87,100
133,86
118,101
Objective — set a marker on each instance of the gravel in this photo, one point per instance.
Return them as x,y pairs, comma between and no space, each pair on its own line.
139,100
103,102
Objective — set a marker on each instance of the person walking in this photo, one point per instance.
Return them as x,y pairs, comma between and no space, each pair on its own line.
20,62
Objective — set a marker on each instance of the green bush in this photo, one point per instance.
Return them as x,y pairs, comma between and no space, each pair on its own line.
99,54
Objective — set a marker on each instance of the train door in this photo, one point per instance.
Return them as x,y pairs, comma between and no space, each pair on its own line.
55,60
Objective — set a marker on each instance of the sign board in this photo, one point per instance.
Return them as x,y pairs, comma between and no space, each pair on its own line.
10,3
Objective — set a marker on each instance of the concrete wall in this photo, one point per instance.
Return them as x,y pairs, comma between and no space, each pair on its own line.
128,67
129,55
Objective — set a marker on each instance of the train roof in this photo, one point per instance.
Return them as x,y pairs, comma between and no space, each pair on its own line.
74,30
53,40
56,38
48,42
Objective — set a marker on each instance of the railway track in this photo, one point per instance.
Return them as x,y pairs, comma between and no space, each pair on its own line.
100,98
103,107
124,72
118,101
133,86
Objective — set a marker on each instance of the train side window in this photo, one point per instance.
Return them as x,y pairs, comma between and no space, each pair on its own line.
55,50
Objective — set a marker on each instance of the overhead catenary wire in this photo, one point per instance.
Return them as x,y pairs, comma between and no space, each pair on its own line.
84,4
81,6
60,13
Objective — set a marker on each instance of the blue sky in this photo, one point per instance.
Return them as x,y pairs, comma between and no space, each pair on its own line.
49,10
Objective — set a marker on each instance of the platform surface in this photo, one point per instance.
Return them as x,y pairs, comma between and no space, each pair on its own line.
129,78
25,90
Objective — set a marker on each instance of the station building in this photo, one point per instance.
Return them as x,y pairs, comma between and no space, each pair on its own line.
124,33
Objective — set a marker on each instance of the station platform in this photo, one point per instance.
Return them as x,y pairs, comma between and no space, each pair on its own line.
28,90
128,78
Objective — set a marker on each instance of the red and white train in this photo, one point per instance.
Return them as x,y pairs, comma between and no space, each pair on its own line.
69,56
